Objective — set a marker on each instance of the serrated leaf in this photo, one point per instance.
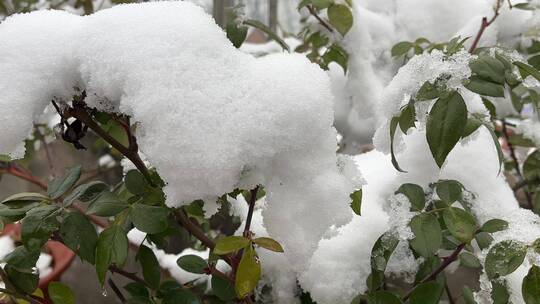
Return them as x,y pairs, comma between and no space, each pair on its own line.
340,17
150,219
494,225
60,293
445,125
460,223
504,258
356,201
248,273
415,194
112,248
79,235
268,243
484,87
150,266
530,288
428,234
192,263
57,187
230,244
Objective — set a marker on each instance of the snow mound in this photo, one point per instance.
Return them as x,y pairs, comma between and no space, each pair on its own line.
211,117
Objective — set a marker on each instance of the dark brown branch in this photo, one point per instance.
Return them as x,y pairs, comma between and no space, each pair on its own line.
129,275
449,294
252,200
446,262
484,25
117,291
314,13
516,163
194,229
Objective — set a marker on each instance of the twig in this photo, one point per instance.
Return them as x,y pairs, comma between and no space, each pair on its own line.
214,271
116,291
194,229
14,170
31,299
252,200
516,163
446,261
313,12
449,294
129,275
485,24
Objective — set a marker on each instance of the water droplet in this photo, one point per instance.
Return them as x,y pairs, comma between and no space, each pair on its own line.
104,292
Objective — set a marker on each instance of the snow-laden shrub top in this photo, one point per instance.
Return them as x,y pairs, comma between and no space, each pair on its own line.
210,117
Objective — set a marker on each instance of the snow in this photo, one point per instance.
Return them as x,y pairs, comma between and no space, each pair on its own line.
530,129
211,118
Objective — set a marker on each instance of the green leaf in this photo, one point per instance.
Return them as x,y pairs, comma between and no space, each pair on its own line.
23,199
449,191
236,33
112,248
484,87
59,186
223,289
468,259
136,289
383,297
531,166
428,235
192,263
139,300
407,117
488,68
85,192
527,70
382,250
150,219
468,296
429,91
22,259
248,273
415,194
427,293
260,26
61,294
230,244
504,258
401,48
460,223
135,182
340,17
494,225
483,239
523,6
336,54
38,225
268,243
497,145
499,293
534,61
530,287
79,235
15,214
445,125
472,125
356,201
180,296
107,204
393,126
150,266
23,281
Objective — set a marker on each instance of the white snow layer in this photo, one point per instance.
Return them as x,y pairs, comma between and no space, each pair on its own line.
211,117
378,25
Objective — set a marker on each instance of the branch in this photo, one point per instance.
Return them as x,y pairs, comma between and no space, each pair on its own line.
313,12
252,200
194,229
485,24
31,299
129,275
81,114
116,291
446,262
516,164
